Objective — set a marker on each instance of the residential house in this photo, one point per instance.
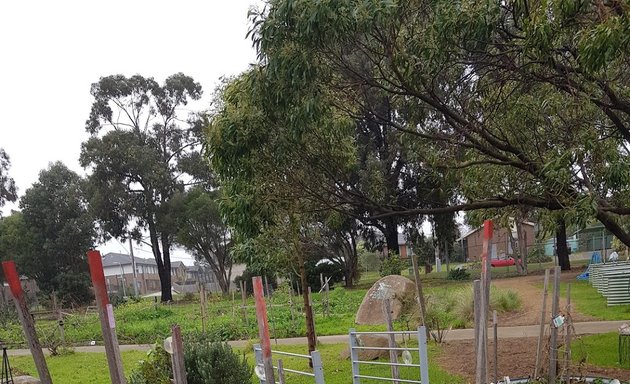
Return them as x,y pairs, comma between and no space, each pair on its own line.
501,246
404,248
119,275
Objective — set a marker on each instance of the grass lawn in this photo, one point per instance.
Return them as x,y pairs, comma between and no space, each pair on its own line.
77,368
81,368
600,350
585,299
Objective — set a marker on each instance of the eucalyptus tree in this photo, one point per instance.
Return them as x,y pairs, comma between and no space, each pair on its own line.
202,231
144,149
523,103
52,233
8,191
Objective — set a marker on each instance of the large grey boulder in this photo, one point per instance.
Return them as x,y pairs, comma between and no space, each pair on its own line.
397,288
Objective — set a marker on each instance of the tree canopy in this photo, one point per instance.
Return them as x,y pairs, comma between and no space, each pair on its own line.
520,103
49,238
8,191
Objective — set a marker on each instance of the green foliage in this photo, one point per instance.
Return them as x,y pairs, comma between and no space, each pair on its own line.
537,255
215,363
8,191
458,274
56,232
74,289
155,369
201,231
392,265
142,156
369,261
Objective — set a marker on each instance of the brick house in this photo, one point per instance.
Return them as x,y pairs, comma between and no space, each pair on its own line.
501,246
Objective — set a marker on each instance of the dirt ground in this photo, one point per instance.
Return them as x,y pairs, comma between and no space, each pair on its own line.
517,358
529,289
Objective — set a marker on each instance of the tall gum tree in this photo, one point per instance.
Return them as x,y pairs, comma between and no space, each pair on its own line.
141,154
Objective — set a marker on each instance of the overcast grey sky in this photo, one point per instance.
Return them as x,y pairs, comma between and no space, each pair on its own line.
52,51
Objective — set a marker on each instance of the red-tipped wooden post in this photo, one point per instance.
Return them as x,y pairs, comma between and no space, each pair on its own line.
482,345
106,315
263,329
28,325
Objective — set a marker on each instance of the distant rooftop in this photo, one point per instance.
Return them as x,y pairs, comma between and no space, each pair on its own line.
112,258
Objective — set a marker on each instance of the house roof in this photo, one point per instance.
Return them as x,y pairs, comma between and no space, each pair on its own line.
470,232
112,258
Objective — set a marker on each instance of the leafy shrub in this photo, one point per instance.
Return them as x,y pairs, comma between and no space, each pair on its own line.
215,363
537,255
458,274
391,266
156,369
247,277
74,289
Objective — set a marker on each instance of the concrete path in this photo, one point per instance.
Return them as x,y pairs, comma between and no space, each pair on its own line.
591,327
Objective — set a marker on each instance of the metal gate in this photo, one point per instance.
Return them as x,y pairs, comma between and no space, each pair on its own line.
315,357
423,366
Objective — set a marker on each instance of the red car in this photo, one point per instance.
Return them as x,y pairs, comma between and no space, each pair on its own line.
502,262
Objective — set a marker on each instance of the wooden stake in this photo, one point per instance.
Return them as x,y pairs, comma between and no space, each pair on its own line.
482,346
393,355
244,302
553,345
280,372
106,315
179,369
496,346
543,324
28,325
567,340
263,329
420,294
202,303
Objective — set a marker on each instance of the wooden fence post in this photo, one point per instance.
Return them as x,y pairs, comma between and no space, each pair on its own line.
553,344
263,329
28,325
420,294
543,324
179,369
106,315
393,354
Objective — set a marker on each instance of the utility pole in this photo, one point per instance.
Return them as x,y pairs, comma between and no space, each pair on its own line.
133,265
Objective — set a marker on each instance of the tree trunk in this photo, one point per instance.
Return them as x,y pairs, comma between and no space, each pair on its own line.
165,277
522,246
561,245
391,237
308,310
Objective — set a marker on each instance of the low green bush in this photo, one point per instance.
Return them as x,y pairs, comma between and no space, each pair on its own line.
391,266
155,369
459,274
215,363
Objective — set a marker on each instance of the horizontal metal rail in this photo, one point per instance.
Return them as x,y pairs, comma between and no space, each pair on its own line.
382,348
385,333
296,372
381,363
385,379
291,354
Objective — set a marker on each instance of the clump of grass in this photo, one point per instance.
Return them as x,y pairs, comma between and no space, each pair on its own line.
455,308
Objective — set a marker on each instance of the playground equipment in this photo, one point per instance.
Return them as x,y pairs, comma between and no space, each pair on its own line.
423,364
596,258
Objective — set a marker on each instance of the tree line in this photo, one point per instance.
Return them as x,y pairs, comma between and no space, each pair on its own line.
359,119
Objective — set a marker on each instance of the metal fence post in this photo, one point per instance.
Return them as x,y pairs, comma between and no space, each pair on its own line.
424,358
280,372
259,359
318,369
354,357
